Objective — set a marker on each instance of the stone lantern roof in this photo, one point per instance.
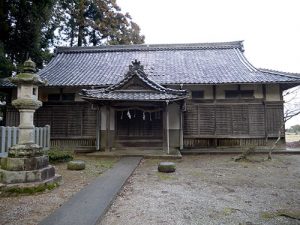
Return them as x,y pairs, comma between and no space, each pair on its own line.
28,75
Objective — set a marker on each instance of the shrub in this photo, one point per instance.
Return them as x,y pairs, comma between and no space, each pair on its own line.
56,155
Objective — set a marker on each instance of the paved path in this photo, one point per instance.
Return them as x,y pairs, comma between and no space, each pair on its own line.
90,204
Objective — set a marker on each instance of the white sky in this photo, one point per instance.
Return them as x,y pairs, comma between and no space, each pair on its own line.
270,28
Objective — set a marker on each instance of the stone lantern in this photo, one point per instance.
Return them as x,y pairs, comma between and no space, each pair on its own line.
27,166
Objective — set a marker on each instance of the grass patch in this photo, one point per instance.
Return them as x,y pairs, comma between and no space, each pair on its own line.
293,214
16,191
106,163
228,211
95,167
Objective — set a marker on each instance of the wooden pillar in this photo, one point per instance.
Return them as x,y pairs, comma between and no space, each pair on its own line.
108,145
215,140
166,133
265,110
181,129
168,130
98,127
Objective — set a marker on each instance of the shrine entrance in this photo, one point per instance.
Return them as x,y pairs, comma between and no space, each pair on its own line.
138,124
136,127
135,112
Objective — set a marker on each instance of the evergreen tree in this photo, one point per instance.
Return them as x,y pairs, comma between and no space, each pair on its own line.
30,28
27,20
96,22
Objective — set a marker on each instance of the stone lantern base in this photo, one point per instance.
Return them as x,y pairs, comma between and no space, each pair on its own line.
26,168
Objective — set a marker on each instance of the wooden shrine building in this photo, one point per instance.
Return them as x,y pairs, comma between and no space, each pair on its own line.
173,96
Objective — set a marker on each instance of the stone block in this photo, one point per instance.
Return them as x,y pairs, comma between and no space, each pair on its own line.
12,164
25,150
40,175
166,167
22,164
30,163
51,172
42,161
30,187
76,165
32,176
12,177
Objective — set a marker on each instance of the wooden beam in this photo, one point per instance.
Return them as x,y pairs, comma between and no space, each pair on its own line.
107,128
98,127
181,129
166,140
264,90
167,129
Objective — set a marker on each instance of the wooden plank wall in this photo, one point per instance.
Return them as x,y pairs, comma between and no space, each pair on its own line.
66,121
203,121
274,119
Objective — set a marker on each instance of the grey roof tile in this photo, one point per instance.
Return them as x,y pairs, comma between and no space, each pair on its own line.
204,63
100,94
135,86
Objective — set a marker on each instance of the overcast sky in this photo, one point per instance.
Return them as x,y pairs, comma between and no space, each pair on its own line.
270,28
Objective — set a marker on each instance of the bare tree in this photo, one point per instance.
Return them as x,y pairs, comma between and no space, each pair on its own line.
291,110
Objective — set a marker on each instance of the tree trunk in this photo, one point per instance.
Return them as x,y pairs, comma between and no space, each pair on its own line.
275,143
80,22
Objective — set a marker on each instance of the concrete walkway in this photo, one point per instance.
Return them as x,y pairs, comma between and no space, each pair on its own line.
91,203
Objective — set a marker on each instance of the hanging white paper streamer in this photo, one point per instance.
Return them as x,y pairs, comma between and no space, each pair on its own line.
144,116
122,115
150,116
128,114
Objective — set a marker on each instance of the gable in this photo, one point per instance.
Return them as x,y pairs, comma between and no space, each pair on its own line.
135,83
135,86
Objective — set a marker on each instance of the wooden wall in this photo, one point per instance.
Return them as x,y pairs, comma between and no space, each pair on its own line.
205,121
68,120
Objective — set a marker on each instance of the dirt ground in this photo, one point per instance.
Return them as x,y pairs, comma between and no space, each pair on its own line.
30,210
211,189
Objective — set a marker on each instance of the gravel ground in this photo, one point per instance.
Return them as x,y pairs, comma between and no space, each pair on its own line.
211,190
30,210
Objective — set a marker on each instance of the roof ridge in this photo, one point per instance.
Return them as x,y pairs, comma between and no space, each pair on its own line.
154,47
280,73
245,61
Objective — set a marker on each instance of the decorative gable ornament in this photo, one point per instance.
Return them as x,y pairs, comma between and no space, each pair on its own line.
136,66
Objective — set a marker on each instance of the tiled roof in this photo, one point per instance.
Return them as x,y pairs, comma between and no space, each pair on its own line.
204,63
100,94
135,86
4,82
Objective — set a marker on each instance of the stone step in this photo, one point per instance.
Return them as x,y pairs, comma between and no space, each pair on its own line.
139,140
146,143
84,149
140,148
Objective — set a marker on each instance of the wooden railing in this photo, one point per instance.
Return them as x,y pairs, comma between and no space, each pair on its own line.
9,137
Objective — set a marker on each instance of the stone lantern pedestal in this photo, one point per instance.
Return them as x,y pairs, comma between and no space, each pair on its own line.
27,167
